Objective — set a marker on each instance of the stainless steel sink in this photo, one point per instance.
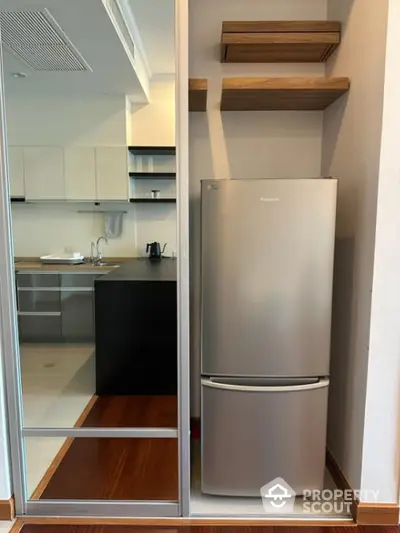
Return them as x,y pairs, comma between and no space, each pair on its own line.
106,264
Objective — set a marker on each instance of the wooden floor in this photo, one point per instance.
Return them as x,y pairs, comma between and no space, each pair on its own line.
116,468
36,528
133,411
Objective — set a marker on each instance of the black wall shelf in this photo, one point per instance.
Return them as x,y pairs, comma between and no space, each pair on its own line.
152,150
17,199
153,200
153,175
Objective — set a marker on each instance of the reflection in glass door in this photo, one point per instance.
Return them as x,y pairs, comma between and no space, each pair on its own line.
106,468
94,368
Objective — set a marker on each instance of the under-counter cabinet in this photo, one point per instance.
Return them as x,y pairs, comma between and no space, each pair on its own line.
112,173
136,329
77,315
44,173
56,307
80,173
77,307
39,307
16,168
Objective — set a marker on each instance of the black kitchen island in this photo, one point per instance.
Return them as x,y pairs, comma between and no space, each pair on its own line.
136,329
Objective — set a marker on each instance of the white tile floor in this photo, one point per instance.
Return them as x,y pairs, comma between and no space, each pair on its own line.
58,380
5,526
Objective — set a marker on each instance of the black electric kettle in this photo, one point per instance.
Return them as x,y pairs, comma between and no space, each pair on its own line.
154,250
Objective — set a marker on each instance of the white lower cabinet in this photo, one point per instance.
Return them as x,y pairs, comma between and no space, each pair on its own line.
16,168
44,173
112,173
80,173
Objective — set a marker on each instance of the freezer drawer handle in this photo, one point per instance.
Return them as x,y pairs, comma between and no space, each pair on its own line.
321,384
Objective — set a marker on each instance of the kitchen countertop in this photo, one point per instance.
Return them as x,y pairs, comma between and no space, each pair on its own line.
142,269
35,264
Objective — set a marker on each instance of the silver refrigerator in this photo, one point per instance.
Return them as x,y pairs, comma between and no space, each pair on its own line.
267,268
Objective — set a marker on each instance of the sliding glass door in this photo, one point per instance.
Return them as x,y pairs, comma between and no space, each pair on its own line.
90,288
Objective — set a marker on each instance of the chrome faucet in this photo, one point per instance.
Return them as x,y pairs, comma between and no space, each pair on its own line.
92,253
99,258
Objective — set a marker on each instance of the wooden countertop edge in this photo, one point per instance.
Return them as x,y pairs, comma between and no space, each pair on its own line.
37,259
33,263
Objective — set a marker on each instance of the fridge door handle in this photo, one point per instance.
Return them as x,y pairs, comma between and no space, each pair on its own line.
213,383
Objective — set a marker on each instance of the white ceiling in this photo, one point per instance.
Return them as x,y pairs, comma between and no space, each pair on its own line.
155,20
90,29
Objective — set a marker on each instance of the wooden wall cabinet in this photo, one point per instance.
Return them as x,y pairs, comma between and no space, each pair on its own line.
279,41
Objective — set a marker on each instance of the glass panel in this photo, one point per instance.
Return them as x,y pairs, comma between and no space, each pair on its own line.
97,316
58,382
101,468
59,390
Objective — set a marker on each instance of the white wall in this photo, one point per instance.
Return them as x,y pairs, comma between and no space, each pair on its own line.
351,152
243,144
380,458
41,119
153,124
86,121
50,228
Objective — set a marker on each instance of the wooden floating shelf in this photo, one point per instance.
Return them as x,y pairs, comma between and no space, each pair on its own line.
153,200
153,175
281,94
198,88
279,41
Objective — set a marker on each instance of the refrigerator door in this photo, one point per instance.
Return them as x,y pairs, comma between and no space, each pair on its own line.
267,266
254,433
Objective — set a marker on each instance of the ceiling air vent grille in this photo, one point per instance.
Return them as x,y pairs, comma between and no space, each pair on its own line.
36,38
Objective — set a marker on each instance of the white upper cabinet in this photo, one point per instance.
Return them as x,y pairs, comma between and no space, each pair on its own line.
74,173
112,173
16,167
44,173
80,173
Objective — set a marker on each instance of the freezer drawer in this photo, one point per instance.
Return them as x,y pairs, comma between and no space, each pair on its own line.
252,434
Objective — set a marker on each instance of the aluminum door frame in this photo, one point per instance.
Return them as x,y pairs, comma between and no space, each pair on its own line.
10,344
102,508
183,296
11,381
